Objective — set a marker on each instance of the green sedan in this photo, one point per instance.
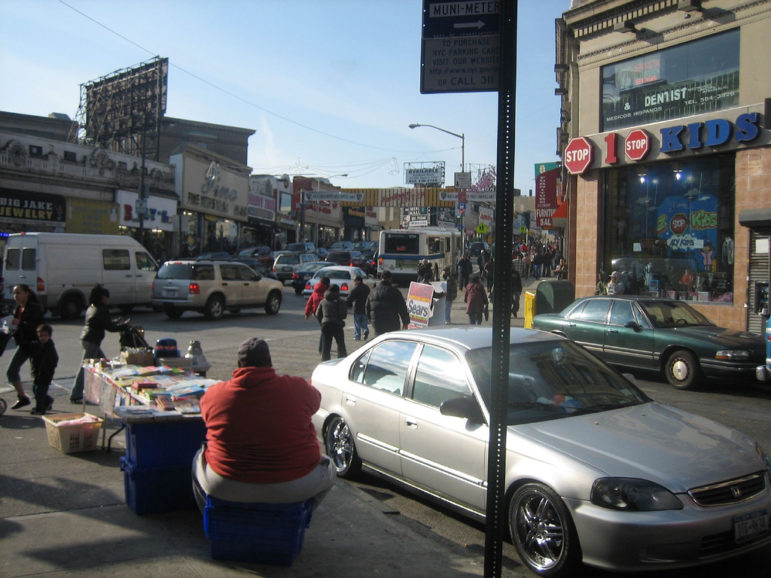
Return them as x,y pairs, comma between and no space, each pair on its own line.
664,335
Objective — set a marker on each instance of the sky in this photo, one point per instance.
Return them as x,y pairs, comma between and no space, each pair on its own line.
329,86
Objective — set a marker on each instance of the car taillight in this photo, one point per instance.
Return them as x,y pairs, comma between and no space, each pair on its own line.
295,276
308,285
194,288
344,287
41,285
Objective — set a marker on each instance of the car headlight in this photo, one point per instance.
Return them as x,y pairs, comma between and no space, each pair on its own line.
732,355
632,495
763,456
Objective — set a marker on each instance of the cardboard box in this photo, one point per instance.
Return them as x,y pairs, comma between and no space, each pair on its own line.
140,358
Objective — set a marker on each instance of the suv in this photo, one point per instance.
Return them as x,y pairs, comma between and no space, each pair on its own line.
344,258
212,287
287,263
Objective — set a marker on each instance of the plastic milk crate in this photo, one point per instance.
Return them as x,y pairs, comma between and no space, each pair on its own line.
266,533
152,490
166,444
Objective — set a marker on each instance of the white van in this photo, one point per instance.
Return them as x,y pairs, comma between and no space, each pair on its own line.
62,268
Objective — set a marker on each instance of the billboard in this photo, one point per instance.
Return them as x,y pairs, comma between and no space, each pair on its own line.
125,106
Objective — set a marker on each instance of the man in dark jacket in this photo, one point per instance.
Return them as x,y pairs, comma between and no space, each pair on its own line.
386,307
331,313
358,298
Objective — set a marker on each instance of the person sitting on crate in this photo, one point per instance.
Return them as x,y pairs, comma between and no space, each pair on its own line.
98,322
260,443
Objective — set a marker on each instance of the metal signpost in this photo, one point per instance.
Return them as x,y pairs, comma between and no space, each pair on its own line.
471,46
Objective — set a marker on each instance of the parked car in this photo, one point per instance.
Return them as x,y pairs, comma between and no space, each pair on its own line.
258,266
287,263
301,247
338,275
303,273
262,253
663,335
595,470
214,255
213,287
342,246
365,246
340,258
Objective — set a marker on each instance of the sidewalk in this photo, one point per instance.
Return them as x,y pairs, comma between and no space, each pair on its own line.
66,513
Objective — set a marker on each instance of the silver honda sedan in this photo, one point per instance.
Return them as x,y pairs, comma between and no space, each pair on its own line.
596,471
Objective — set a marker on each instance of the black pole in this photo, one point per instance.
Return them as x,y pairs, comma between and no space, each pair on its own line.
495,525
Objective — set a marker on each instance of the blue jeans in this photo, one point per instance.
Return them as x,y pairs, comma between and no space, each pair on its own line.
360,327
447,311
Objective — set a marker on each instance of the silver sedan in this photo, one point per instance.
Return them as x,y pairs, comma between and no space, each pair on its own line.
596,472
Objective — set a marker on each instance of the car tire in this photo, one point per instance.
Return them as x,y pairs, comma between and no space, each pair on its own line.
273,304
215,307
70,307
339,445
542,531
682,370
172,312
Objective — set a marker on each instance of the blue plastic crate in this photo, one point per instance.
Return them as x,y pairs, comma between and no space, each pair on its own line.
152,490
164,443
266,533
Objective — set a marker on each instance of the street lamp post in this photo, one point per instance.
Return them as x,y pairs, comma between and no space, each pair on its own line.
462,138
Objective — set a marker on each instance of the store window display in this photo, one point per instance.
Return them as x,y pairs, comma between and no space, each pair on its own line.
669,228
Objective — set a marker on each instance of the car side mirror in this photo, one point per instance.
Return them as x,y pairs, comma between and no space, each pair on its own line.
465,407
632,325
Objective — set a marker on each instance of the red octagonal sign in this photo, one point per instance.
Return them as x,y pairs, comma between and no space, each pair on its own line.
578,155
637,144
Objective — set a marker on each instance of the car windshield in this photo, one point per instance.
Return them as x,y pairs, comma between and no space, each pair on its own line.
552,380
667,314
288,259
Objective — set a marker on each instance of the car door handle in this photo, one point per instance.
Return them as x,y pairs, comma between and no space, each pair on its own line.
612,330
411,423
350,400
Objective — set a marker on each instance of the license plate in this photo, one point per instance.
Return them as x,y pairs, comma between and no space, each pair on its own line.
748,526
169,292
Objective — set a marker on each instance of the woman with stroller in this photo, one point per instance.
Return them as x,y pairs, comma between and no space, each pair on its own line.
98,321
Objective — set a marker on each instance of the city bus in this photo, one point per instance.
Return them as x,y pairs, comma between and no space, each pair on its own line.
400,251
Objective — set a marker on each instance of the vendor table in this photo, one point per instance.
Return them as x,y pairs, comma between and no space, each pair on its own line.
161,436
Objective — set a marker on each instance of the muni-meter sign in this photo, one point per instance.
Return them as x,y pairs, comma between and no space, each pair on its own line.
461,45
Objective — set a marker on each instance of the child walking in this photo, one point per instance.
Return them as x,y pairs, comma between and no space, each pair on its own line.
44,362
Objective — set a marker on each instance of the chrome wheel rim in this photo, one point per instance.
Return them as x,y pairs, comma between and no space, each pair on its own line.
540,531
339,447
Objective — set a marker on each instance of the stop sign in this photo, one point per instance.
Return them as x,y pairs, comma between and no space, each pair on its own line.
637,144
578,155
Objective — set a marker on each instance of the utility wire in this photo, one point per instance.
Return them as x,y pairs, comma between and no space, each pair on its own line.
232,94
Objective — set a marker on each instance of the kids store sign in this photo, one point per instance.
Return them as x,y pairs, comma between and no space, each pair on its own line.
718,133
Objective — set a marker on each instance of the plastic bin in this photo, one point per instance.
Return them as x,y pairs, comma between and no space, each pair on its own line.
152,490
164,443
72,438
266,533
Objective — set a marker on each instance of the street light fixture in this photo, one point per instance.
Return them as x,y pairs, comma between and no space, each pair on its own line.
462,138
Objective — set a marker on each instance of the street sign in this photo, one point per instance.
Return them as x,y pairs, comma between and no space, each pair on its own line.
578,155
637,144
462,180
460,47
481,228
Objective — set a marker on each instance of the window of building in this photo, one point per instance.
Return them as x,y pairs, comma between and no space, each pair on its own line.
691,78
668,228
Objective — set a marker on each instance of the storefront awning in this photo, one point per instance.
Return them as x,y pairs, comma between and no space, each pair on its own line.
756,219
559,219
